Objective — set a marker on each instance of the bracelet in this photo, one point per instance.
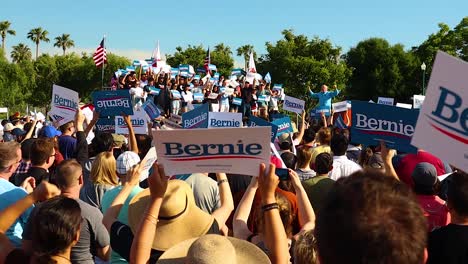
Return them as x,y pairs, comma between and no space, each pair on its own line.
154,219
222,181
268,207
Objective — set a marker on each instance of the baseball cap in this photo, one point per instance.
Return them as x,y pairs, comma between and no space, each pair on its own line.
18,132
424,175
8,127
284,138
50,132
127,161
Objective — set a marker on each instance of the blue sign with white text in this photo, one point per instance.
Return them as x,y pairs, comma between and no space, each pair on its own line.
197,118
112,103
372,123
106,125
151,109
284,125
256,121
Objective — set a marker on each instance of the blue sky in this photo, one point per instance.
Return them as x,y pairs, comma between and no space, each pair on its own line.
133,27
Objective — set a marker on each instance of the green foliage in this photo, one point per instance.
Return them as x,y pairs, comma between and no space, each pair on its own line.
5,30
64,42
20,53
298,62
382,70
37,35
245,51
221,56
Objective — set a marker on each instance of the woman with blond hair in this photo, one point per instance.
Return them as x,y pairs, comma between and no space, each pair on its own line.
323,138
103,177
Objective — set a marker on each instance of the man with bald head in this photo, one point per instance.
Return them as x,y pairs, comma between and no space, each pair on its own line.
324,97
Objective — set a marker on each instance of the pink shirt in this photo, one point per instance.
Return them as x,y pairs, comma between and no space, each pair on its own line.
435,210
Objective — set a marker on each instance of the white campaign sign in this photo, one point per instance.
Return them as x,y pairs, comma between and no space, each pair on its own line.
148,162
442,123
340,106
229,150
385,100
224,119
293,104
418,101
139,123
64,104
402,105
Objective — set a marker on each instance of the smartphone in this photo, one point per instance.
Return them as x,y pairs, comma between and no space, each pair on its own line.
283,174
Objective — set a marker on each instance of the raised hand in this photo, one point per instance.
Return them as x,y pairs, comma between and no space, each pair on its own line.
157,182
45,191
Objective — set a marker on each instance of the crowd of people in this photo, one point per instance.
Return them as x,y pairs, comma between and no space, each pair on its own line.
322,199
179,94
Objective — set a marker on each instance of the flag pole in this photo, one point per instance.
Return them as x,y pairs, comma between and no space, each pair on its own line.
103,64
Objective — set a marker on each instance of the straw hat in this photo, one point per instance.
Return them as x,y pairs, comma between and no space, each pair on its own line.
179,217
210,249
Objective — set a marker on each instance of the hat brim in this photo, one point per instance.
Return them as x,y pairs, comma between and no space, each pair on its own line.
246,252
193,223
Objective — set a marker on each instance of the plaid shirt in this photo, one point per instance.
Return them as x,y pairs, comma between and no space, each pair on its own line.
23,167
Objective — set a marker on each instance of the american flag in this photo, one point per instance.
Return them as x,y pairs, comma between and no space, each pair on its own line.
207,61
99,56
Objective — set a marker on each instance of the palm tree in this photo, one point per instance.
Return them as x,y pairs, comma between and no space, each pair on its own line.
21,52
64,42
4,30
37,35
245,51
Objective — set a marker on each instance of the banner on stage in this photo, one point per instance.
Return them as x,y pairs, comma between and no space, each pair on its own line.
228,150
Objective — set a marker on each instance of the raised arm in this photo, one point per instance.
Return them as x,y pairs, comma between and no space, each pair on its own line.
312,94
302,130
81,143
133,178
274,234
143,240
336,92
239,224
227,203
306,212
9,215
387,155
31,130
131,134
92,123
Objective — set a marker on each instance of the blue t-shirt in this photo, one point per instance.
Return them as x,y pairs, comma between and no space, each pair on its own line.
10,194
107,200
67,146
324,98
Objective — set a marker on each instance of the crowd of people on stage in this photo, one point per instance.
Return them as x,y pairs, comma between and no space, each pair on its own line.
322,199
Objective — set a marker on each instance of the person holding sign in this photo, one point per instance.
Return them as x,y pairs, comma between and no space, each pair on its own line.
324,97
175,99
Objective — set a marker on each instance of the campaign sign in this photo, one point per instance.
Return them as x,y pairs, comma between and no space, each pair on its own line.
317,112
213,96
228,91
112,103
176,94
407,106
64,104
263,98
372,123
147,163
198,96
224,119
236,101
418,101
256,121
284,125
154,90
138,123
229,150
292,104
197,118
106,125
151,109
442,127
385,100
184,68
340,106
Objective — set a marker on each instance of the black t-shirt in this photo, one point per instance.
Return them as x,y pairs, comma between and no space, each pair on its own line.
448,244
121,237
247,95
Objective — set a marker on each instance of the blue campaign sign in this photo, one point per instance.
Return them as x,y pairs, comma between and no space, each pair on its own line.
184,67
255,121
151,109
112,103
154,90
105,124
237,101
284,125
372,123
197,118
317,112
